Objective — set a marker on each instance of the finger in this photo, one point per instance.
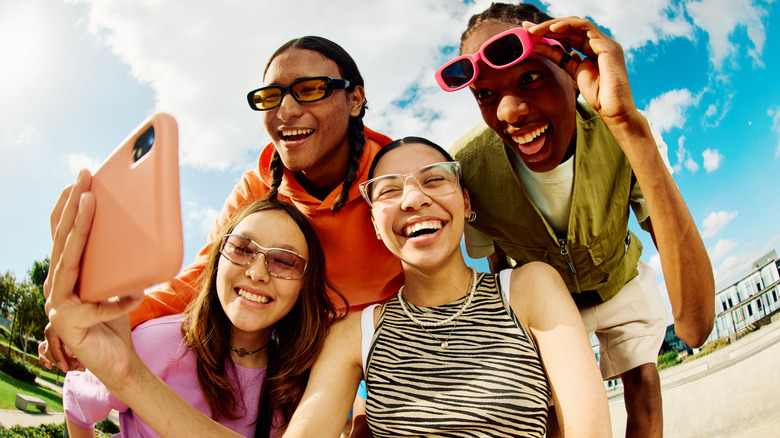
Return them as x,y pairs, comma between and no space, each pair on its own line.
67,271
42,359
62,219
73,361
573,32
568,61
54,348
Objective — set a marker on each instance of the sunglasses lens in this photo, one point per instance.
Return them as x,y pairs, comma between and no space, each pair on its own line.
504,51
458,73
238,249
284,263
311,90
267,98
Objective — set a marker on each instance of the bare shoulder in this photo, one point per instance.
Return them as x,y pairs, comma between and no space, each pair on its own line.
536,287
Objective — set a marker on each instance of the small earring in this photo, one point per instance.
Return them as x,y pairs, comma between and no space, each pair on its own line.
472,217
378,237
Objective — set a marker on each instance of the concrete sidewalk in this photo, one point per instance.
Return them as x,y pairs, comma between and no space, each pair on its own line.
731,393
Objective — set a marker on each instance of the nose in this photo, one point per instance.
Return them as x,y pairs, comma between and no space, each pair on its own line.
289,108
511,108
257,269
413,197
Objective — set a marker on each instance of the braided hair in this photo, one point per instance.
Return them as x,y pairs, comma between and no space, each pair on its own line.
355,136
505,13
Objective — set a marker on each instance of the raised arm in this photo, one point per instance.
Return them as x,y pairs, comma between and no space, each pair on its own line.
544,306
603,81
99,333
333,383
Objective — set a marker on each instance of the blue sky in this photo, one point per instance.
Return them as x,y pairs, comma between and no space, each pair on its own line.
77,76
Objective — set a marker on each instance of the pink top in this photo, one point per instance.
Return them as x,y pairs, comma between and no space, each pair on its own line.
159,343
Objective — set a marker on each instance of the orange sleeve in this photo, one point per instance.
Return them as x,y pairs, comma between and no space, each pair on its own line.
174,296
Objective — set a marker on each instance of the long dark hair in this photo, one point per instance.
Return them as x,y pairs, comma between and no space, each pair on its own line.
298,335
356,139
395,144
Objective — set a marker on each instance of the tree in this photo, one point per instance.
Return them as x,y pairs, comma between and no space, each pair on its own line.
31,317
8,294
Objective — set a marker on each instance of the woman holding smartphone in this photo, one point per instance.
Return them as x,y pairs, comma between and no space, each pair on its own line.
312,104
241,353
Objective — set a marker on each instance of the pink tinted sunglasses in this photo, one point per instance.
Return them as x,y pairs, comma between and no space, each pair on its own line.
502,51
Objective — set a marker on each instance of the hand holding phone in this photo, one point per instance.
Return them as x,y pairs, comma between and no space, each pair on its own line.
136,237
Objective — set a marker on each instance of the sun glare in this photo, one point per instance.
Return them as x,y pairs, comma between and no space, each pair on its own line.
26,47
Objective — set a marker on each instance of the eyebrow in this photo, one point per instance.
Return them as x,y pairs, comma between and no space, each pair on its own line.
282,246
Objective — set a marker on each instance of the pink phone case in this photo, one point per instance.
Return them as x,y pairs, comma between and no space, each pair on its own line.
136,236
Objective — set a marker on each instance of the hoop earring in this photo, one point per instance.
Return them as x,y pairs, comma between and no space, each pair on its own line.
472,217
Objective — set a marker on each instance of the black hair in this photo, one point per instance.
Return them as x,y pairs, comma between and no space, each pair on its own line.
505,13
395,144
356,137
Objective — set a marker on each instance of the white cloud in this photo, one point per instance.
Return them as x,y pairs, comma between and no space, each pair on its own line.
720,18
634,27
774,113
712,159
78,161
200,219
684,158
667,111
723,247
715,222
201,60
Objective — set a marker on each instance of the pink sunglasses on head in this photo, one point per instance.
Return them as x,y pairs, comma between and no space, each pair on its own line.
502,51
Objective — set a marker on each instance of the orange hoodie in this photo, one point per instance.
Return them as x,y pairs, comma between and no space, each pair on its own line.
357,262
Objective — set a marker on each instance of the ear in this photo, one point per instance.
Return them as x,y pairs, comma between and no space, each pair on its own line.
373,222
356,99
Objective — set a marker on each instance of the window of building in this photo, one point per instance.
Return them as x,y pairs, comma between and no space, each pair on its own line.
758,302
738,316
750,309
725,306
731,304
774,295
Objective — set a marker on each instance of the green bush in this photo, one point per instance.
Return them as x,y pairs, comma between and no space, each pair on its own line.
17,370
668,359
107,426
42,431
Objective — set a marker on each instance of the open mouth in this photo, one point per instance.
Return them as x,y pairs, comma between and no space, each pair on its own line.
531,142
422,228
260,299
295,134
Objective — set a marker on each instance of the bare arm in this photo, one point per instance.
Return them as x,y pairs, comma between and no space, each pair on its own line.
544,306
333,383
603,82
76,431
99,334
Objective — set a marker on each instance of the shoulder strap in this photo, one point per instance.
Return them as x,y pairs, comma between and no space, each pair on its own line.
367,331
504,278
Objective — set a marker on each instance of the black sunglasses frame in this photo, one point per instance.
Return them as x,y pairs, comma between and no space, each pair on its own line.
330,84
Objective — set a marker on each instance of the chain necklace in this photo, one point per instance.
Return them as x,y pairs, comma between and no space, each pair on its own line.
241,352
456,316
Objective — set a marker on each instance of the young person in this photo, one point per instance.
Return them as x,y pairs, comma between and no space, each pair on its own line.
254,330
454,353
312,104
552,178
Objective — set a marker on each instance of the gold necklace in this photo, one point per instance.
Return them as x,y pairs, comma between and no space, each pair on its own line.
444,344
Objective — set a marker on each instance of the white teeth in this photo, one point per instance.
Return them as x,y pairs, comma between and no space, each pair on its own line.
290,132
431,225
531,135
253,297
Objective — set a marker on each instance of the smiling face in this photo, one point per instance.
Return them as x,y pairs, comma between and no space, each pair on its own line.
420,230
311,137
530,105
253,299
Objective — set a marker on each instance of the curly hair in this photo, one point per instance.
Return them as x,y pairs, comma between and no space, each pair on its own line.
298,335
356,138
505,13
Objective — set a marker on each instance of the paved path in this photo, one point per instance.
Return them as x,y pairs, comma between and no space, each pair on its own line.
729,393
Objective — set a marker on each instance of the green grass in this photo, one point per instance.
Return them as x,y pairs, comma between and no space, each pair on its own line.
10,386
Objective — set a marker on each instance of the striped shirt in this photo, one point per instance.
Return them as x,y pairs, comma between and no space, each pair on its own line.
489,381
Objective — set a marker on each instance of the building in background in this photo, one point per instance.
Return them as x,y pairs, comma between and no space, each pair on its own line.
748,300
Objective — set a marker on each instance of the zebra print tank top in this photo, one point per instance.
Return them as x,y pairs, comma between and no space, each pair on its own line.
489,381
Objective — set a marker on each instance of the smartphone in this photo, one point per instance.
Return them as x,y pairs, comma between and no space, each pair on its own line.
136,237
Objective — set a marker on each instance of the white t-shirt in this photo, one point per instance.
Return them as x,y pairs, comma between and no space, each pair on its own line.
551,193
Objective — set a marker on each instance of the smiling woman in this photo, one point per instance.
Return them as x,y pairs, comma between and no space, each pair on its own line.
454,351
